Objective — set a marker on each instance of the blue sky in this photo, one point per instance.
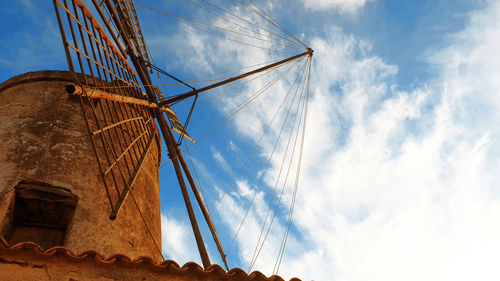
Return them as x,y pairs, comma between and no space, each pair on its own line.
399,178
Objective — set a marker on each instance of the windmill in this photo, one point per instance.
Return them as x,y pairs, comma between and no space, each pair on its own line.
110,65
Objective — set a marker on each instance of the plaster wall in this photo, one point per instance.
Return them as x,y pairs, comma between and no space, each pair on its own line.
43,138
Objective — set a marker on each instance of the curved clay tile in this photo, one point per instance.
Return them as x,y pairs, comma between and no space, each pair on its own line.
124,261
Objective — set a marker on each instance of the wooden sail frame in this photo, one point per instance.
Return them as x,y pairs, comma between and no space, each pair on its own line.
120,147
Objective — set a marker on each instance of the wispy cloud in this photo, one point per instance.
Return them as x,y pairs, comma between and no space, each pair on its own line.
221,161
177,242
345,6
34,46
395,185
410,195
407,190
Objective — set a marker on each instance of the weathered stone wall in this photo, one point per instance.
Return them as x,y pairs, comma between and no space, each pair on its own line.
43,138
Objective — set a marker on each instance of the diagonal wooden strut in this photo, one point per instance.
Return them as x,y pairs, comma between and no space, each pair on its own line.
189,94
173,153
202,207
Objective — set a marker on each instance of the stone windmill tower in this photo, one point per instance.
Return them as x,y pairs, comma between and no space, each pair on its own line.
80,157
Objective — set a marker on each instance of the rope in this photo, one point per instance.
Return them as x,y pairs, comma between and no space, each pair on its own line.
248,101
168,74
198,180
250,23
257,248
158,84
261,177
212,26
218,95
245,67
272,22
292,44
205,80
292,204
277,23
146,225
268,126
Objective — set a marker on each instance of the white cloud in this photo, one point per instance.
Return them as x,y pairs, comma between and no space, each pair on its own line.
395,185
233,147
347,6
177,240
412,194
221,161
409,193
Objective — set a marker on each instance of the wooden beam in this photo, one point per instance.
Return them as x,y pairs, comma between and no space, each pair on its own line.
232,79
173,154
100,94
202,207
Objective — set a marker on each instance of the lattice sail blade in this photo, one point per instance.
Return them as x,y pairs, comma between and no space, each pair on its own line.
119,117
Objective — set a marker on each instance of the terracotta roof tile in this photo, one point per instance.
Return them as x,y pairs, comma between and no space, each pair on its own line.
144,261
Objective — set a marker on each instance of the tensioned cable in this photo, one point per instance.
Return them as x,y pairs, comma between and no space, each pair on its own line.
159,84
250,23
204,80
202,192
267,71
232,79
255,25
248,101
277,23
291,45
229,116
198,179
241,68
162,84
168,74
278,263
240,42
261,178
271,22
257,249
218,95
146,224
216,27
285,181
259,245
268,126
292,203
150,55
282,192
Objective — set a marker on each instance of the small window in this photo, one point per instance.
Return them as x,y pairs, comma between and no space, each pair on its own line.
41,214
